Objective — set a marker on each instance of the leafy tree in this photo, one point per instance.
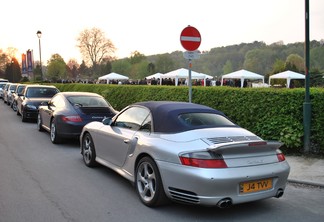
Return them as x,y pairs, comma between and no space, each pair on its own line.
295,62
13,71
227,68
72,68
121,66
137,57
316,78
37,73
94,46
164,63
56,68
151,68
3,58
317,57
83,71
139,70
278,66
257,59
105,68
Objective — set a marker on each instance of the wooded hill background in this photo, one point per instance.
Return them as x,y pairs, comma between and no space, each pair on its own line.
256,57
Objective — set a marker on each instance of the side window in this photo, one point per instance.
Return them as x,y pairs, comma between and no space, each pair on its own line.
147,124
57,101
132,118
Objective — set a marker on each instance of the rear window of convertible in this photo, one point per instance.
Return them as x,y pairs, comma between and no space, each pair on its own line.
204,119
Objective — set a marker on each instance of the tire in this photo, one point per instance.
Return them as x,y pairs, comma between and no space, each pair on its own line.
23,117
88,151
39,123
148,183
14,106
55,138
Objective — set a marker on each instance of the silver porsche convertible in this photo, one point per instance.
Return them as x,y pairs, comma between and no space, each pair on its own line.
187,153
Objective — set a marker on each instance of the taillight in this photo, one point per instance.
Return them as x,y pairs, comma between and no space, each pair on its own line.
202,160
75,118
280,156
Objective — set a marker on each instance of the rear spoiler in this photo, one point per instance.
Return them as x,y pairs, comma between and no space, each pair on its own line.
252,145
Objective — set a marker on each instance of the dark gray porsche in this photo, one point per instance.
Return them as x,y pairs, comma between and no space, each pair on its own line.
67,112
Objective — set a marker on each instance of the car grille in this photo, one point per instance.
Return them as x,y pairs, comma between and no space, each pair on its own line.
183,196
217,140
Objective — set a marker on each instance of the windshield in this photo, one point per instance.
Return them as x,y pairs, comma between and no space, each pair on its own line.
39,92
88,101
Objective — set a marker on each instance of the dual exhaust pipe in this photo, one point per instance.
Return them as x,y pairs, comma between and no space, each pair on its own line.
224,203
227,202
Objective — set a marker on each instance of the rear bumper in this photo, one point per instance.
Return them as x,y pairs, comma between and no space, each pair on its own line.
69,129
209,186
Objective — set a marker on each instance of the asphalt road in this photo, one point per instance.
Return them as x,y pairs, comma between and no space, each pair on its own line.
41,182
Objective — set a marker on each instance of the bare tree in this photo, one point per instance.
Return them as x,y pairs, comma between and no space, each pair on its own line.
94,46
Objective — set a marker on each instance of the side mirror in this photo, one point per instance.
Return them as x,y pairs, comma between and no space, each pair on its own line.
107,121
44,104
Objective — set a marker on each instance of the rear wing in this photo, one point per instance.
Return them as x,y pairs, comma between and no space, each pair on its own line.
251,147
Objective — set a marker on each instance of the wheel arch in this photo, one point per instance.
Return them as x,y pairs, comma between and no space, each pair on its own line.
141,156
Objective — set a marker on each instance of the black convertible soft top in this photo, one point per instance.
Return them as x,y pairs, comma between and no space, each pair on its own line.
165,114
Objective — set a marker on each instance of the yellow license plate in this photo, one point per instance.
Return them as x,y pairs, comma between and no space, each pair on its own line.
255,186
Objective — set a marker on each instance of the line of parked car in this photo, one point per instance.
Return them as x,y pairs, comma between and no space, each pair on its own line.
62,114
177,151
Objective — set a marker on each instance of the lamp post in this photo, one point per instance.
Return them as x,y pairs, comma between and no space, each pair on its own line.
12,70
39,35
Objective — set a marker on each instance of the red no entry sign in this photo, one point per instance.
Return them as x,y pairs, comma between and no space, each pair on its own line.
190,38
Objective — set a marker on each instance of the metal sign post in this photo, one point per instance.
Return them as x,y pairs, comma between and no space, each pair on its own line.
190,40
190,82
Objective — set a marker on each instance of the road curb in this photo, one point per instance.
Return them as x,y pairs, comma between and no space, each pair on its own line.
321,185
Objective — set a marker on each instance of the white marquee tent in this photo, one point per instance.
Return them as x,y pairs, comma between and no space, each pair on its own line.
113,76
156,76
184,74
242,75
289,75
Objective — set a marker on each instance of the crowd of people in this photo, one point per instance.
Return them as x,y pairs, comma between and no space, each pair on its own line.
166,81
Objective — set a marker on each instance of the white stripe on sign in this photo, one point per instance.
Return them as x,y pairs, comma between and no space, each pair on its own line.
190,38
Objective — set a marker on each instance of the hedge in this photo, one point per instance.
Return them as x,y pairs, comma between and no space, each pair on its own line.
273,114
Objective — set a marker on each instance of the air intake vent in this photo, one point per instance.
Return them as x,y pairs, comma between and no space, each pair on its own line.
217,140
183,196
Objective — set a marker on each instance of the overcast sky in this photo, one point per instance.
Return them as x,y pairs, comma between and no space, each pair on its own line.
154,26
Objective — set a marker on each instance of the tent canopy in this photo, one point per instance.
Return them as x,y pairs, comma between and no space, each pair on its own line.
113,76
156,76
289,75
242,75
183,73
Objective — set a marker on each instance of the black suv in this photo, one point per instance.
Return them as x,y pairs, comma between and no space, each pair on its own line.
32,96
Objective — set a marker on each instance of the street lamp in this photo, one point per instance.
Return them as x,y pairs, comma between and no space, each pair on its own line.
39,35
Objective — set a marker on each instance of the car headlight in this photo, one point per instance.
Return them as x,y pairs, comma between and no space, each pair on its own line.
29,106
